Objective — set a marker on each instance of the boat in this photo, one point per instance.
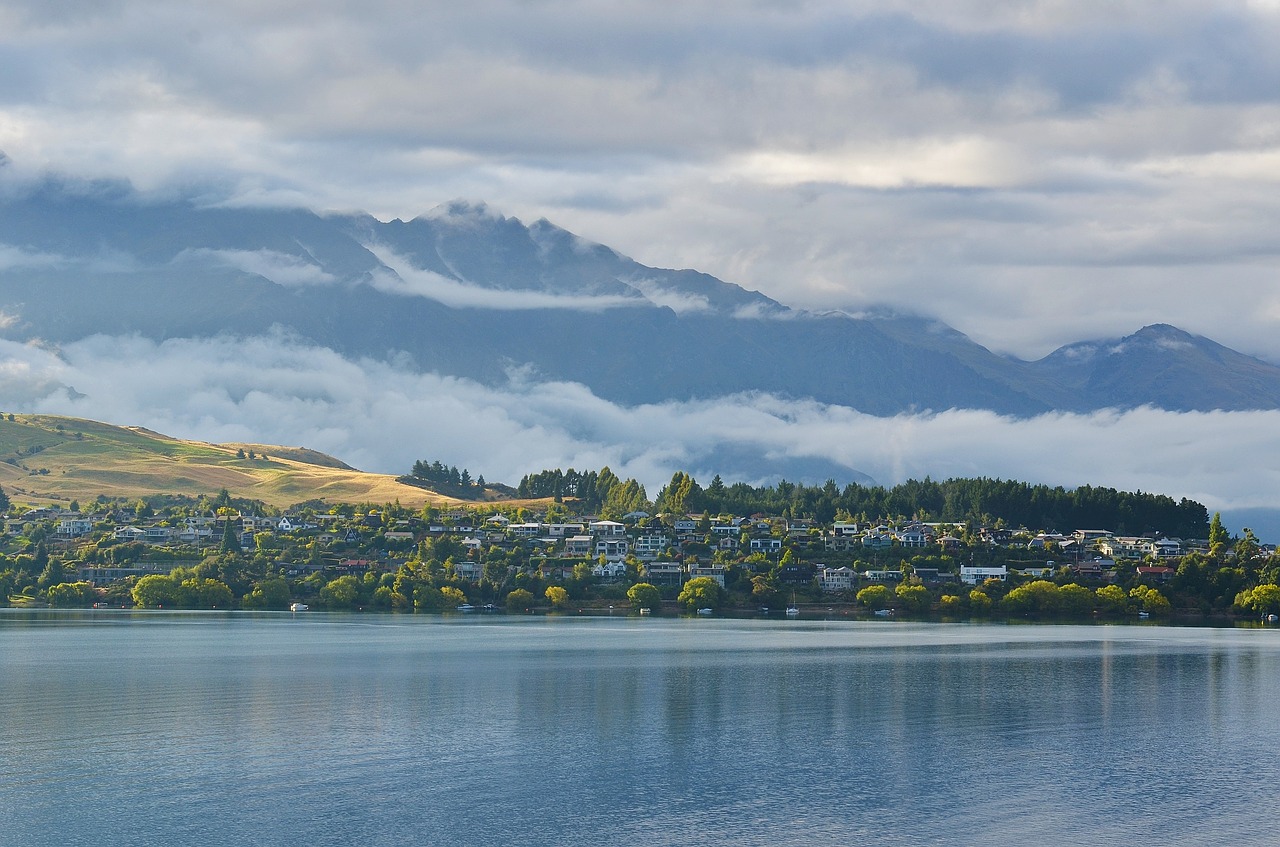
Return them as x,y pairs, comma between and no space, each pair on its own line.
884,613
793,610
644,610
1271,618
1142,616
705,610
298,607
466,607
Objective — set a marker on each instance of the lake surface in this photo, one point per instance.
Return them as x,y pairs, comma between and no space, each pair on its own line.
166,729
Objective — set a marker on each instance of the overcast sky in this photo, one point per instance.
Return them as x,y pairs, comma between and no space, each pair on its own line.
1033,173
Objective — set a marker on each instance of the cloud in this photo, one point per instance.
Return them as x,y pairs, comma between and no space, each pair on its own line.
382,416
406,280
281,268
1032,173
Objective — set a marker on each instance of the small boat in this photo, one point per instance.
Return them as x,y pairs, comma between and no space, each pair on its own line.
466,607
489,607
298,607
1272,618
644,610
705,610
884,613
793,610
1142,616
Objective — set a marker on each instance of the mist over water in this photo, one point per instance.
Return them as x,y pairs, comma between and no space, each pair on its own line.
329,729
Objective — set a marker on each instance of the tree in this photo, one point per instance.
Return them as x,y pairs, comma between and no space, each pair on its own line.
914,598
1112,600
72,595
979,602
701,592
155,591
270,593
341,593
519,600
4,498
644,595
1151,600
205,593
1261,599
230,538
875,597
1218,537
452,596
558,597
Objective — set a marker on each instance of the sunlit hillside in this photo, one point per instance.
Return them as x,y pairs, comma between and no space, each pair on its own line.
58,459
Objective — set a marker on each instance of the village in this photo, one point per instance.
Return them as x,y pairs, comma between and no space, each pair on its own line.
753,561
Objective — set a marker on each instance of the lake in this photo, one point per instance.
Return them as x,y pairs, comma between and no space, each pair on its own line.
160,728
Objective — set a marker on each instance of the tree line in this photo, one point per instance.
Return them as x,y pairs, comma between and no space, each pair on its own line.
980,501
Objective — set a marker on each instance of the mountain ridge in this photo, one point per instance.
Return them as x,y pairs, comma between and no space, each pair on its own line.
463,290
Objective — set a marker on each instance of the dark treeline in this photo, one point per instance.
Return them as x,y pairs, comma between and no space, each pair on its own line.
979,501
446,479
595,491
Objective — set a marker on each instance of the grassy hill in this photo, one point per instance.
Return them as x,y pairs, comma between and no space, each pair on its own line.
57,459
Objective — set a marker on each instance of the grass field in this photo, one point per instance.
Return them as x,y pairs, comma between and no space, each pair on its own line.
46,458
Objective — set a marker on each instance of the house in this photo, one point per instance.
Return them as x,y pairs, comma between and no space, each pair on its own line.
716,572
1160,574
766,545
877,540
607,528
844,528
664,573
613,549
565,530
468,570
159,534
397,535
842,543
610,569
527,530
842,578
129,533
651,546
1166,548
882,575
74,527
974,575
913,538
579,546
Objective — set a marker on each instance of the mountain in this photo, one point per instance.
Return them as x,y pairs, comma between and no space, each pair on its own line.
467,291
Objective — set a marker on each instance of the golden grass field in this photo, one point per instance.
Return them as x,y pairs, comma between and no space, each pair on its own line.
85,459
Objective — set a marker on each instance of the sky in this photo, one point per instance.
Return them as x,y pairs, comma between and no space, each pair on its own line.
1031,173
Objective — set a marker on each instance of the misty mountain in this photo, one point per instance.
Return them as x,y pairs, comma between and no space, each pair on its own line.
466,291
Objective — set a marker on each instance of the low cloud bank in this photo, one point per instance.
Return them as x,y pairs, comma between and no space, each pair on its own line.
381,416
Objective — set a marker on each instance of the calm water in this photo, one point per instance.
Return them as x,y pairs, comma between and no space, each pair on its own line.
171,729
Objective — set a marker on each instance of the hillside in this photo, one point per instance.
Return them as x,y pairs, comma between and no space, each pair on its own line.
58,459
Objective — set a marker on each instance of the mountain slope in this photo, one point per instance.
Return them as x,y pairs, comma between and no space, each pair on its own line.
466,291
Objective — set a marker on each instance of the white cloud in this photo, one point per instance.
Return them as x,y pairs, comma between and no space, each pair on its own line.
409,281
281,268
382,417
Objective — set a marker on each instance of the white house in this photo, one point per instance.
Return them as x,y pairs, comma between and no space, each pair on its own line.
842,578
975,575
